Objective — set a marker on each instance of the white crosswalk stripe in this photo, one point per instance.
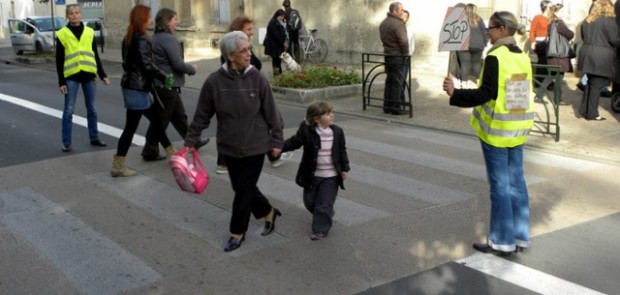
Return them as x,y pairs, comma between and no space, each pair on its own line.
95,264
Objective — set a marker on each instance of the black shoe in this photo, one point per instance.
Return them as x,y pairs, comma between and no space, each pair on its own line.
486,248
98,143
203,142
153,158
233,244
66,148
399,112
581,86
606,93
271,225
519,249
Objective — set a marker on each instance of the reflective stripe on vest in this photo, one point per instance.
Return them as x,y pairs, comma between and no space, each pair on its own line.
79,55
495,124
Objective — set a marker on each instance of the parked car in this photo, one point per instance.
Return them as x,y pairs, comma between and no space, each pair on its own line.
98,27
34,33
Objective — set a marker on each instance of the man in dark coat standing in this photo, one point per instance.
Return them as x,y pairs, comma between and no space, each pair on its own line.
395,44
293,26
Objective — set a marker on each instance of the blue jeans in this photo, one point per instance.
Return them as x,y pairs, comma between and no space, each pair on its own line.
510,210
90,89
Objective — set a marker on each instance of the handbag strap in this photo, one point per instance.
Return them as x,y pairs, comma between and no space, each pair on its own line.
197,161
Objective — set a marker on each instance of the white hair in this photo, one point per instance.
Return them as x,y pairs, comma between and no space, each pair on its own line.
228,44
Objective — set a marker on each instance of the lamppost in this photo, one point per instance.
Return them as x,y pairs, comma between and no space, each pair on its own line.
53,20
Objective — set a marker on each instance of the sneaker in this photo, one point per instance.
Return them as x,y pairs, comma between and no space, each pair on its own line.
280,161
66,148
317,236
221,169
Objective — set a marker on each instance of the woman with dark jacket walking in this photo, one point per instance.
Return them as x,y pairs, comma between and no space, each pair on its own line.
137,83
596,57
169,58
276,40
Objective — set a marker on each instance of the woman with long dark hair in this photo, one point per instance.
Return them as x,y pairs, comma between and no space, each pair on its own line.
275,41
137,83
169,58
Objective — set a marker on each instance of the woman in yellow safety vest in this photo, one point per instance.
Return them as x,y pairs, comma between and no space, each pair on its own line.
78,63
502,117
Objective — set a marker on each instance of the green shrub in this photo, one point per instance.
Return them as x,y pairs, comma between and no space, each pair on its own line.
317,77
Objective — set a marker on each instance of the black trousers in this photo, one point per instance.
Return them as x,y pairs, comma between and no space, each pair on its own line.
244,174
393,83
293,49
591,95
131,124
319,200
541,53
173,112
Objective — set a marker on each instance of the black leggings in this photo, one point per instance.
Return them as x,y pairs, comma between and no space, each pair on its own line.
131,125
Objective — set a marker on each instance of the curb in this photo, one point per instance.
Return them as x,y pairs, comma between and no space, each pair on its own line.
327,93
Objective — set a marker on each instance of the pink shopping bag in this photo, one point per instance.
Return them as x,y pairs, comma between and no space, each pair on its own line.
191,176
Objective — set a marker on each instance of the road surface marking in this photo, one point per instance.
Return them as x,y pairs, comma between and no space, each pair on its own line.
77,120
92,262
523,276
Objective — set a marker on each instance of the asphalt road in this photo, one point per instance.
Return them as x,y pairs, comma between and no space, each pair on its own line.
415,201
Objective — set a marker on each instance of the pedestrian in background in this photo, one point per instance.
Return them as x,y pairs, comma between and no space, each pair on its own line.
407,65
293,27
393,35
168,56
139,71
78,63
248,125
324,164
503,127
538,39
471,60
276,40
596,57
246,25
557,26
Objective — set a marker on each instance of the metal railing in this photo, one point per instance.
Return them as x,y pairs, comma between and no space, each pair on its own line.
373,67
546,77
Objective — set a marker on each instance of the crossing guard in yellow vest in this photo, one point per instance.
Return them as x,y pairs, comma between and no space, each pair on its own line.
502,118
77,63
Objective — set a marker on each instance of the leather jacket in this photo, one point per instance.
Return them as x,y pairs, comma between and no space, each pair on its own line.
139,65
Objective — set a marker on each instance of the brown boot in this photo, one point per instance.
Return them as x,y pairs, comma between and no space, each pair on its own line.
119,168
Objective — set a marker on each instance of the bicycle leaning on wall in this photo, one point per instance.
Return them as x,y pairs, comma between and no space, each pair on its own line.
314,49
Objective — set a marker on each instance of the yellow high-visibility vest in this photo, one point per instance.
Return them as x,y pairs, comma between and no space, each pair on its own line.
79,55
493,121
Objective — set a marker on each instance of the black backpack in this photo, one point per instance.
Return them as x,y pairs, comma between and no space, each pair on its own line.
294,20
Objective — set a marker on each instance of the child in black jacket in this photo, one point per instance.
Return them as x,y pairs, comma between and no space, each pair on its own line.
324,164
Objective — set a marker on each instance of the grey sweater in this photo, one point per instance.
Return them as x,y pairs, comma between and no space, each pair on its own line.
248,119
169,58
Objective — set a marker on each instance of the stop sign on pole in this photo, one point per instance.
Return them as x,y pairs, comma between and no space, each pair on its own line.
455,31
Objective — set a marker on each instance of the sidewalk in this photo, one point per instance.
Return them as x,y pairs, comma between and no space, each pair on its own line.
579,138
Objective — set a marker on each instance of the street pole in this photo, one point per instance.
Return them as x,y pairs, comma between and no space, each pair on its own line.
53,23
